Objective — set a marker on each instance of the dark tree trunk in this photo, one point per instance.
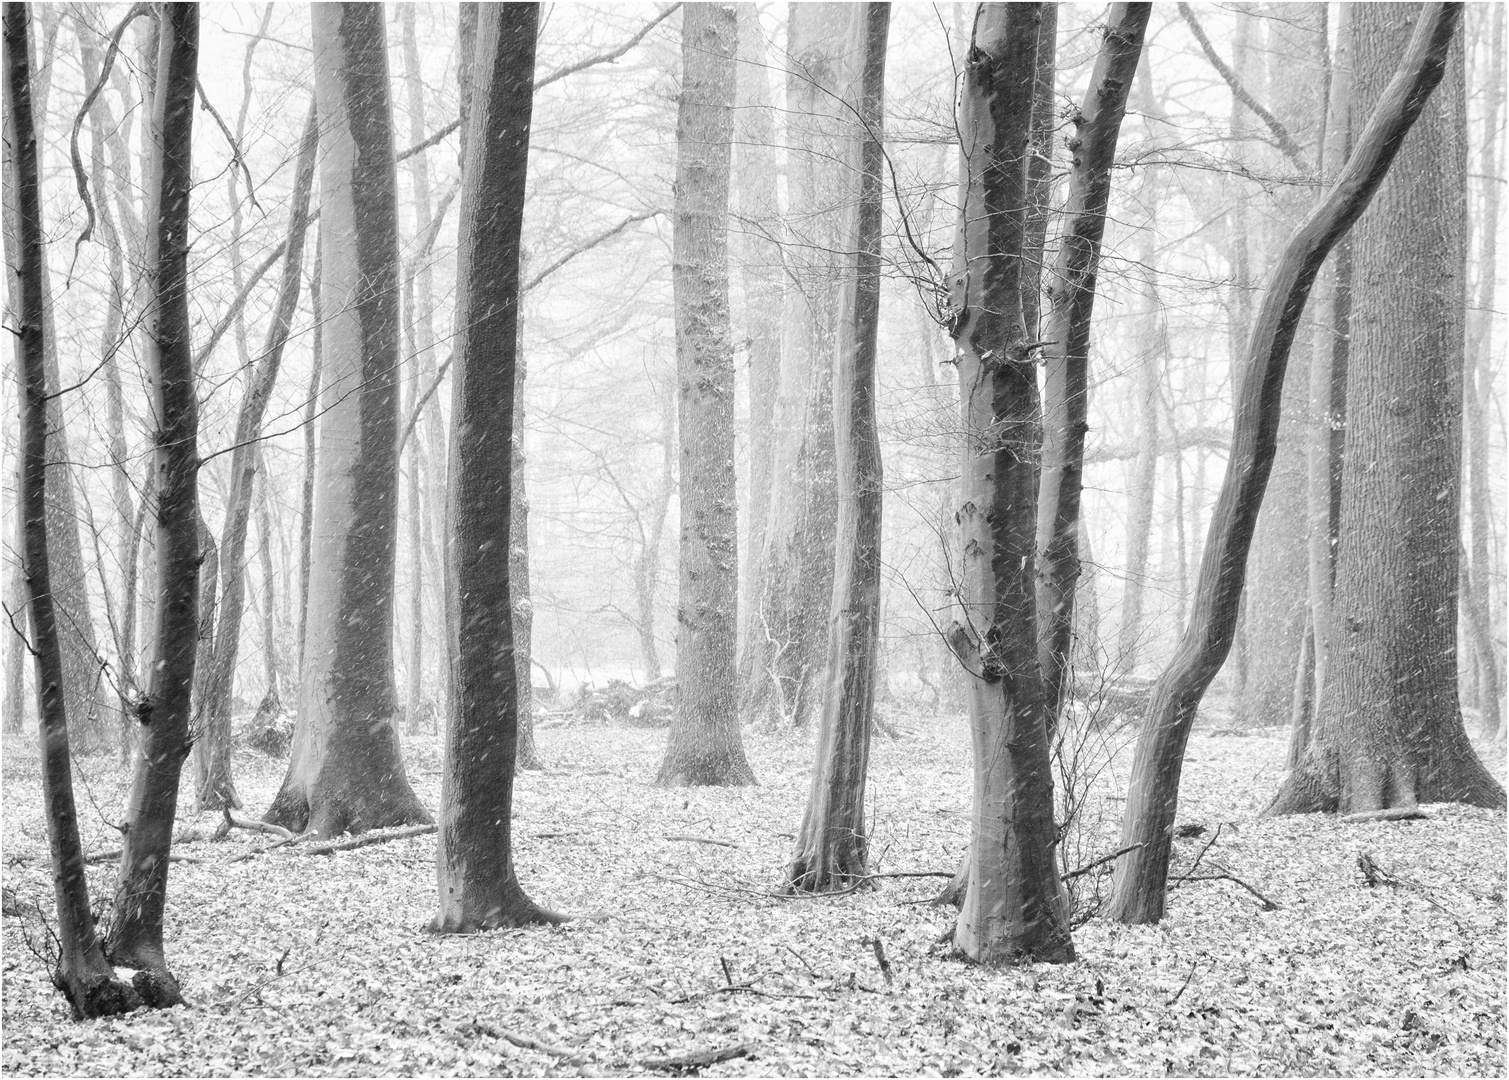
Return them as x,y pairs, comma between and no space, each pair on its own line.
832,846
1066,354
135,939
704,746
1153,795
212,748
478,889
1014,909
346,772
1389,729
82,973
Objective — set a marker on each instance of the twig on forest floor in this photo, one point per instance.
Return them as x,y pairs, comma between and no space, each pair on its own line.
1187,980
572,1057
368,839
741,988
691,839
280,974
556,835
232,821
880,958
1186,875
1374,874
115,853
699,1059
810,969
1222,874
1397,813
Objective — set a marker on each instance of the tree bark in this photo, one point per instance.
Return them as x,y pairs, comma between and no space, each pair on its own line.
1389,729
1153,795
704,746
1066,352
478,888
346,772
82,973
212,748
832,846
1013,910
135,939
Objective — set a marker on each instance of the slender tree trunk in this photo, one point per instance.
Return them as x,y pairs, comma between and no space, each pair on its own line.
1066,354
1389,729
346,772
704,746
1040,173
1013,910
311,450
135,939
212,749
528,755
832,846
81,973
1153,794
478,888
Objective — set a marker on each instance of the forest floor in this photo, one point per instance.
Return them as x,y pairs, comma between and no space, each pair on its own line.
296,964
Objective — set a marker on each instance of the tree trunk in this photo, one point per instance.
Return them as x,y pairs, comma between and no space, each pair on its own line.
832,846
347,773
478,889
704,746
135,939
212,749
787,632
81,973
528,756
1014,908
1153,794
311,449
1040,173
1389,730
1066,354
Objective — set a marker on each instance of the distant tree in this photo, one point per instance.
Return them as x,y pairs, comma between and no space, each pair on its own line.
1153,794
832,845
1014,909
82,972
347,770
704,746
135,937
478,889
1389,731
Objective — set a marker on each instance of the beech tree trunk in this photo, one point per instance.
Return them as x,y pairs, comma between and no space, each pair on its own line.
704,746
1014,908
346,772
784,651
1066,354
82,973
135,939
832,846
1389,730
212,747
478,889
1153,795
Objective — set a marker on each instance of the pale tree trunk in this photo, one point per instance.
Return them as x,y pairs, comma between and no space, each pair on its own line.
1153,793
81,971
346,772
212,748
647,563
704,746
1328,367
786,632
1480,599
1277,596
1142,480
1066,354
135,939
1040,173
528,755
478,888
832,845
758,256
311,451
1389,731
272,702
1013,910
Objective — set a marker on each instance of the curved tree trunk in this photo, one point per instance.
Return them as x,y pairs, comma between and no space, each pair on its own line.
135,939
1153,795
346,772
478,889
833,843
704,746
1389,731
82,973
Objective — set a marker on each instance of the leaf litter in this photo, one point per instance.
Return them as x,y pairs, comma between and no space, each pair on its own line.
683,959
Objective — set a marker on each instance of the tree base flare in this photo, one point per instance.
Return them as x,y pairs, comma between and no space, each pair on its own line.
96,995
326,813
512,911
1329,782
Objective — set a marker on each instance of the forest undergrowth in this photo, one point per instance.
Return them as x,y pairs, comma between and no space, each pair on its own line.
682,952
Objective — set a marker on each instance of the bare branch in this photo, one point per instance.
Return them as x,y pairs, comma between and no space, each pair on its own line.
607,57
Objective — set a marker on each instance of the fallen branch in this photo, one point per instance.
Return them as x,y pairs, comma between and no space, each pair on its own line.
1223,875
699,1059
368,839
115,853
1187,979
233,821
1098,862
690,839
573,1057
1397,813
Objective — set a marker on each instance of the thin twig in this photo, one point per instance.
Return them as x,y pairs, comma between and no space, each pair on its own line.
1100,862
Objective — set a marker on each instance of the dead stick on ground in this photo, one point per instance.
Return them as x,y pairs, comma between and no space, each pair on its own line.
252,825
699,1059
690,839
1192,969
571,1056
368,840
1224,875
885,965
115,853
1186,875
